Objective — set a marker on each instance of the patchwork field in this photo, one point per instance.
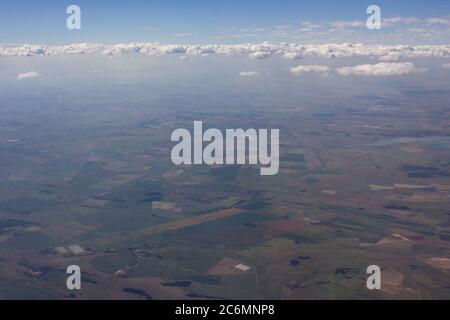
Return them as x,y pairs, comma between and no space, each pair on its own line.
356,187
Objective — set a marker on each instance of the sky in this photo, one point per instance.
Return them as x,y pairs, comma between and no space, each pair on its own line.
202,22
256,40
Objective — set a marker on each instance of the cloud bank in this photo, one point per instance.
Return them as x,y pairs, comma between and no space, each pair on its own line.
256,51
379,69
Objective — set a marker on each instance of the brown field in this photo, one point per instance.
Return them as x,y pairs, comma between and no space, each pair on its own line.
183,223
439,263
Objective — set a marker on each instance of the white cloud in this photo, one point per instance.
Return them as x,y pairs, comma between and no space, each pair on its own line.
311,25
182,34
310,68
284,27
391,21
260,55
255,51
27,75
292,55
439,21
253,30
248,74
148,28
380,69
349,23
391,56
399,20
446,66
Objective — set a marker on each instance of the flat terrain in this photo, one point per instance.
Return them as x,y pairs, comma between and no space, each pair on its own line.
364,179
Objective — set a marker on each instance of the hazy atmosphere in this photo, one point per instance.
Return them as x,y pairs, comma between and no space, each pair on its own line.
92,95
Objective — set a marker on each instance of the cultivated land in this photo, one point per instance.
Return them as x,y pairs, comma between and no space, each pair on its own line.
89,182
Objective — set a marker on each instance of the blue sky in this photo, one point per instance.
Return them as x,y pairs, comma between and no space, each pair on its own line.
198,21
